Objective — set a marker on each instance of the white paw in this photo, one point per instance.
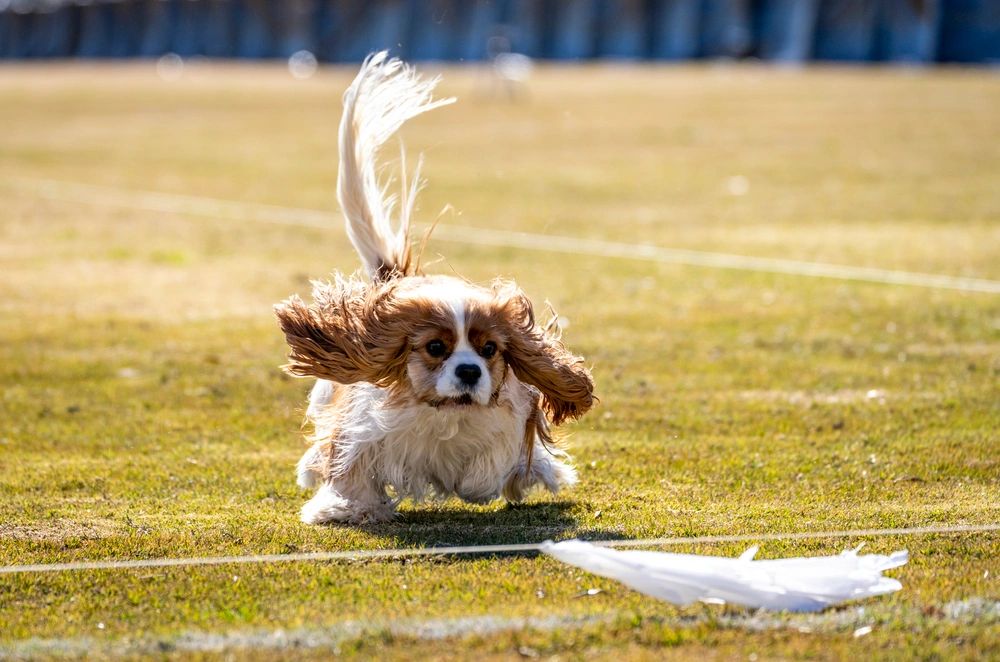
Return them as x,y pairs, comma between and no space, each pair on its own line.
307,474
326,506
308,478
329,507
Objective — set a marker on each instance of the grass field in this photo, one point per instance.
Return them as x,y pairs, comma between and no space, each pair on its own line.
143,413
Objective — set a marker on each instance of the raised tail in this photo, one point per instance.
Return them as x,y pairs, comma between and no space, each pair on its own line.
385,93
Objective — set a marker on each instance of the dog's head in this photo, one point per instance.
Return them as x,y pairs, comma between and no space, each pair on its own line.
440,340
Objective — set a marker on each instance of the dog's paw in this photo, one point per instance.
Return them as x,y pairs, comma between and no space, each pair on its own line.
308,478
307,473
329,507
325,507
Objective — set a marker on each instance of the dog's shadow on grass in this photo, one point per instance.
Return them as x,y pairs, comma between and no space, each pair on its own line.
454,525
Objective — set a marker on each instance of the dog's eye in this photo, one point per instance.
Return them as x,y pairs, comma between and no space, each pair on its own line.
488,350
436,348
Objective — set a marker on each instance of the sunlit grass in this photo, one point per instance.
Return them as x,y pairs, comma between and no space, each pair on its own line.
143,413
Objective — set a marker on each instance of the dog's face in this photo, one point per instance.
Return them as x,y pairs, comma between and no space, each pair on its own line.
457,348
436,340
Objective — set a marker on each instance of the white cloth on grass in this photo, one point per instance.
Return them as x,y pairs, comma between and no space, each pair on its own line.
795,584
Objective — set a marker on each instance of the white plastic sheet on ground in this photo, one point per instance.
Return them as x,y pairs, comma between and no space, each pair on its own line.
795,584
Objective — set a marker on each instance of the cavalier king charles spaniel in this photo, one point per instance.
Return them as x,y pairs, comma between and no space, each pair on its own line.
427,385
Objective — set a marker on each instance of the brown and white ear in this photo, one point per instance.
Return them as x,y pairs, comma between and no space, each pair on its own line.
542,361
344,335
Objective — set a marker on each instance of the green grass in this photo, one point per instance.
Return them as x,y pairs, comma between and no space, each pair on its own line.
143,413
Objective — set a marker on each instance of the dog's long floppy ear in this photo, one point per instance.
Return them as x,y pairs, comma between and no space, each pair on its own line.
347,334
541,360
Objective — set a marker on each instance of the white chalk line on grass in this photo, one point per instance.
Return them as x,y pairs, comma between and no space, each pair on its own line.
410,552
331,636
979,611
233,210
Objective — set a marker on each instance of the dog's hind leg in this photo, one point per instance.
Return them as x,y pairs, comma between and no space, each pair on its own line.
541,462
547,468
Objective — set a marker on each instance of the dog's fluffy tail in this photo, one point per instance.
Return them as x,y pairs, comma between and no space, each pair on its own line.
385,93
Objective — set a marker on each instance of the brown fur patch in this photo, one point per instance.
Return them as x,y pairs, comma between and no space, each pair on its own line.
530,430
422,368
541,360
348,334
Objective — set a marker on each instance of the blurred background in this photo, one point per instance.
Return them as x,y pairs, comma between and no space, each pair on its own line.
790,31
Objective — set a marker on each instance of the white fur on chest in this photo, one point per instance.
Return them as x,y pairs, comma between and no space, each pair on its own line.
468,451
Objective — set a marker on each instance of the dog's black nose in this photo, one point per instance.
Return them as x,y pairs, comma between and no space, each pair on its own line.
468,373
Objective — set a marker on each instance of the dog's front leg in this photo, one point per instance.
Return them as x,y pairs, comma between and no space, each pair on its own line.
309,471
349,499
